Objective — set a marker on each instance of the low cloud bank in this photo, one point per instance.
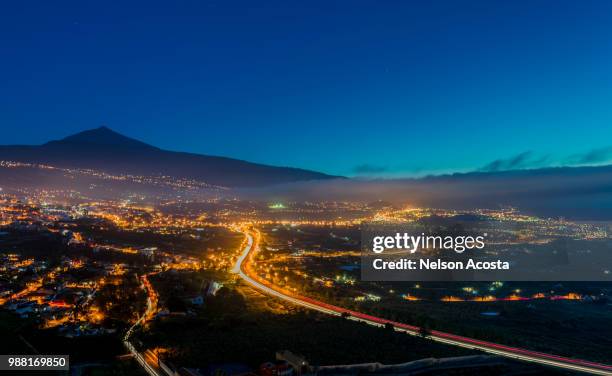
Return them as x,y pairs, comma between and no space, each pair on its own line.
578,193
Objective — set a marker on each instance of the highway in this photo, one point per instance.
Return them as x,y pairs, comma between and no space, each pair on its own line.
243,270
146,362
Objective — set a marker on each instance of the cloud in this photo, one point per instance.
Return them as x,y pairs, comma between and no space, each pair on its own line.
592,156
526,159
369,169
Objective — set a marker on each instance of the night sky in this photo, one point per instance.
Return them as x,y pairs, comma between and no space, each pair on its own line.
391,88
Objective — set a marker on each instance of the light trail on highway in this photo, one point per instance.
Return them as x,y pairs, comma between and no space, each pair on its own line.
147,315
242,265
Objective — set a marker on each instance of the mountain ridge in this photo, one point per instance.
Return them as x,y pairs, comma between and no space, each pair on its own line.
106,150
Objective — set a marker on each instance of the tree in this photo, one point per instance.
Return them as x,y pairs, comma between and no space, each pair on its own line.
176,304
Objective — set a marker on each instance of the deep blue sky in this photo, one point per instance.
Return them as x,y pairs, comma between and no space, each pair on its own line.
393,87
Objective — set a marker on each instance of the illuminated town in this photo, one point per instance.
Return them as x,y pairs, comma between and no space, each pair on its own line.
306,188
132,268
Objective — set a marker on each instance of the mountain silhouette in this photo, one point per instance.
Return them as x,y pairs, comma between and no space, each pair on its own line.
106,150
102,136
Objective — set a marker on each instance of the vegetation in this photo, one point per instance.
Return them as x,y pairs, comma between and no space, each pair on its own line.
228,329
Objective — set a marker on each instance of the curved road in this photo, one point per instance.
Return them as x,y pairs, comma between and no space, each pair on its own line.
145,362
242,269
